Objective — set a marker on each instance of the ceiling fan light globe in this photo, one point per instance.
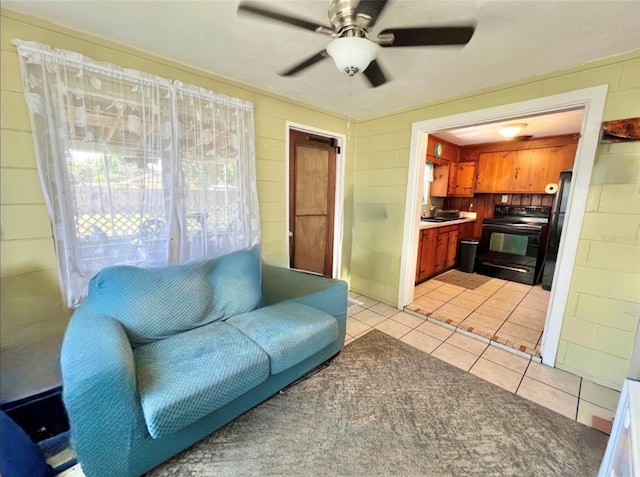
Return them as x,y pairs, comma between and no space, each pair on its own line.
352,54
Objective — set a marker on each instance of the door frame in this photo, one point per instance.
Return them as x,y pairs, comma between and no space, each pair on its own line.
592,100
338,216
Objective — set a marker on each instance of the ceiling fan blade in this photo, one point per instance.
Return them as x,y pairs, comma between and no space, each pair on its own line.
253,9
305,64
368,11
374,74
428,36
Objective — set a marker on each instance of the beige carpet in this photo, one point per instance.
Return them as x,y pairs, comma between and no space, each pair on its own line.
384,408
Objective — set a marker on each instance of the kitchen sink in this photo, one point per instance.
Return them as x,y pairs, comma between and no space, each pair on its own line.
439,219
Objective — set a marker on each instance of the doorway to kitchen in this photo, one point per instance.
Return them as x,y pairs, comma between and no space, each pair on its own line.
591,101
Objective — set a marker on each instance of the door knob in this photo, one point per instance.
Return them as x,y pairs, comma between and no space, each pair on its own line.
290,233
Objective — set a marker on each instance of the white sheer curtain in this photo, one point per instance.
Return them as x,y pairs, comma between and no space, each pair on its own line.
136,170
217,197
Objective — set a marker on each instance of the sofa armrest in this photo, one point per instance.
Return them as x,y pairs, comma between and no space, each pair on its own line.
326,294
99,393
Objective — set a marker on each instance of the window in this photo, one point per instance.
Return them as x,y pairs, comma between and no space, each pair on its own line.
136,169
428,179
216,171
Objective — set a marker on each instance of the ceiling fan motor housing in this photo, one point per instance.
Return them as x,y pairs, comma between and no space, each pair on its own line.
352,51
341,14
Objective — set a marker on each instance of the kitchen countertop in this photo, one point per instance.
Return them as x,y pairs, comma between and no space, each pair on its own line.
433,225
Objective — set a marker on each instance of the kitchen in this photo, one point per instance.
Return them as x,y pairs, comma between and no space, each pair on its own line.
488,208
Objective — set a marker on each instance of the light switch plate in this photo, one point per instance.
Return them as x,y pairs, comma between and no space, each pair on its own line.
505,198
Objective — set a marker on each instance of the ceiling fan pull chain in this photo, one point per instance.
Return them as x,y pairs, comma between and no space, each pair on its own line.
350,80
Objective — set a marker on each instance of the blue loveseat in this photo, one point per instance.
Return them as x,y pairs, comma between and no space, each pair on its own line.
154,360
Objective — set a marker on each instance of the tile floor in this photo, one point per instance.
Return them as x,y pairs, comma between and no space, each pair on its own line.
517,372
507,312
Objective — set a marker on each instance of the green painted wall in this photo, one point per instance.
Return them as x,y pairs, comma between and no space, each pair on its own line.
604,303
28,258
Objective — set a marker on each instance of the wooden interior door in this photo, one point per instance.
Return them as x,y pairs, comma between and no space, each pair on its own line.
312,185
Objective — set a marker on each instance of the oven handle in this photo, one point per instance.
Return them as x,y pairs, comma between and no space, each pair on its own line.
512,227
514,269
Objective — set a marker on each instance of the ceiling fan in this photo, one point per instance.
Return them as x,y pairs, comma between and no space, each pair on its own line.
352,50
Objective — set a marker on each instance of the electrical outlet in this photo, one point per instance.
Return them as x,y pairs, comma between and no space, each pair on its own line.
505,198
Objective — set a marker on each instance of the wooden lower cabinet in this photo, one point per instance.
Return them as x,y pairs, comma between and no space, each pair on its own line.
442,245
437,250
452,248
426,257
467,230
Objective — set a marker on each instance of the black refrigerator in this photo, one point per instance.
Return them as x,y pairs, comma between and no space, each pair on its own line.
558,213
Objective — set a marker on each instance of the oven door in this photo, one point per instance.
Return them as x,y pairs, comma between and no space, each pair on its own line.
510,251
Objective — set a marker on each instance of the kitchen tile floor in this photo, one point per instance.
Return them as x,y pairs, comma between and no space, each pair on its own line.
509,313
517,372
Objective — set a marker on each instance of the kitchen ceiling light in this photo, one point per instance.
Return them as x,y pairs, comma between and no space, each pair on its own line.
352,54
511,130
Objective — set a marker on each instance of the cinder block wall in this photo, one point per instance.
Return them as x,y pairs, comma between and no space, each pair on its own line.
604,303
28,257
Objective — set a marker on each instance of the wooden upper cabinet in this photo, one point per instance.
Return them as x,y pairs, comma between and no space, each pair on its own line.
560,159
453,180
531,168
440,151
535,168
522,171
450,177
492,171
507,167
440,185
464,178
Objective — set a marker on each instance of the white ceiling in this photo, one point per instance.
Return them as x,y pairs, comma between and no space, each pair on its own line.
565,122
514,39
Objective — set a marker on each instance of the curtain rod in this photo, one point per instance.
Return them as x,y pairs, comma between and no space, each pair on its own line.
112,68
85,61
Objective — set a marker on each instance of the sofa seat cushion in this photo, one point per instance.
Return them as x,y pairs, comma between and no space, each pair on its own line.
189,375
288,331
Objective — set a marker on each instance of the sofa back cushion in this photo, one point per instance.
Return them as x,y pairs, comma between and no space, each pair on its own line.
156,303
